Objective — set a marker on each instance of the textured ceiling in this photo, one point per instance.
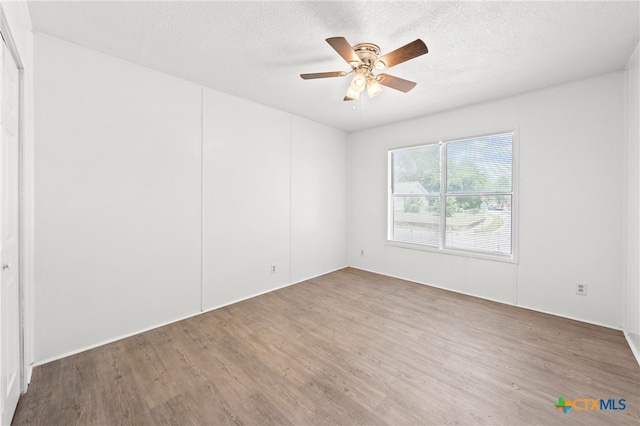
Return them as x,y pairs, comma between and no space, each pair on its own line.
478,51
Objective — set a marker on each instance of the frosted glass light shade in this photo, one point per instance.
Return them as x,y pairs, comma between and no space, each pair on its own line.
374,88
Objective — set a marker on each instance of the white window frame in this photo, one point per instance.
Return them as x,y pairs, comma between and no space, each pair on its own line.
513,258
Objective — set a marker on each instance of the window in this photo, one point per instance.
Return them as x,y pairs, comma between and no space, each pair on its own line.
455,195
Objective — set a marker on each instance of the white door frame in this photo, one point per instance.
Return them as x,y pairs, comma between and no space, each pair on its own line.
25,205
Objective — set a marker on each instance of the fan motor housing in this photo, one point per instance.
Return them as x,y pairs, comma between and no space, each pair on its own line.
367,52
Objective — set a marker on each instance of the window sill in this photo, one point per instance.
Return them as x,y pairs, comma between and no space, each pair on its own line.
451,252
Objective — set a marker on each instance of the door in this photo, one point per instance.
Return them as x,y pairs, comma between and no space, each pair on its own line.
9,240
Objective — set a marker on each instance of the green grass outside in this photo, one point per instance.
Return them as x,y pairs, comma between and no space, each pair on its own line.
496,222
460,220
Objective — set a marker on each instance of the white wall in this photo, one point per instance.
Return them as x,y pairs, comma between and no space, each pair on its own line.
157,198
117,198
274,194
632,211
247,191
319,199
570,146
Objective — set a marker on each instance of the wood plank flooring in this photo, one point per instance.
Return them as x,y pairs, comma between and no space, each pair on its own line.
350,347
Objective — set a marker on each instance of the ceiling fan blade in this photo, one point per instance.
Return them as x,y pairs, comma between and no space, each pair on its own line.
344,49
323,75
408,51
396,83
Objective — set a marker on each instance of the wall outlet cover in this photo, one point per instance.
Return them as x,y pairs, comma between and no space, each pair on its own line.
581,288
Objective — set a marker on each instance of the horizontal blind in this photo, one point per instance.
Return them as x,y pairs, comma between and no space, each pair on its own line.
481,164
479,189
416,170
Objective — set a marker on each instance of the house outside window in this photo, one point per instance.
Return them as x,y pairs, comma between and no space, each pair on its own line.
454,196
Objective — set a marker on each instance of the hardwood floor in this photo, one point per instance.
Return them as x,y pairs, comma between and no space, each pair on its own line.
350,347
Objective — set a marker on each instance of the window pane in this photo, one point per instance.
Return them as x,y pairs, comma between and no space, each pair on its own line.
480,165
416,220
416,170
481,223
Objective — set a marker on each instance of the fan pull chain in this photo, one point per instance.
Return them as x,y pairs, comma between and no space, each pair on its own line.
355,105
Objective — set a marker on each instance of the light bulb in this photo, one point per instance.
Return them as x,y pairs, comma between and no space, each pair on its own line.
359,81
374,88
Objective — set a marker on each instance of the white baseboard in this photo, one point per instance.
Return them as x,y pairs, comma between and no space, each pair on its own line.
269,291
115,339
634,344
29,374
490,299
106,342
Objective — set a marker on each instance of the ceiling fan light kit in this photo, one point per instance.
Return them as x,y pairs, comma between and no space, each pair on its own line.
363,59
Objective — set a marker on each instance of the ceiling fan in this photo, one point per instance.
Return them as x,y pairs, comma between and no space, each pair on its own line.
364,58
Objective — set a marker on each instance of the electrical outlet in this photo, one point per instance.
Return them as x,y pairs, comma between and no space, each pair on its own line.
581,288
361,253
274,269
